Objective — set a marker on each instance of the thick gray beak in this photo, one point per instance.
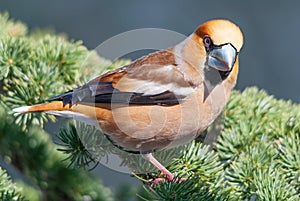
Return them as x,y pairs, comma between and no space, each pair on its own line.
222,58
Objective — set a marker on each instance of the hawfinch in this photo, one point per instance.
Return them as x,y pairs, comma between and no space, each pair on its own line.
163,99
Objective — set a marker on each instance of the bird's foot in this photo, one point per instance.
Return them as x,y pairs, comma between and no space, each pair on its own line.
169,176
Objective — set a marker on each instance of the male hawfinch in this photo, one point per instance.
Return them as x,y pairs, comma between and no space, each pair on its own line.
160,100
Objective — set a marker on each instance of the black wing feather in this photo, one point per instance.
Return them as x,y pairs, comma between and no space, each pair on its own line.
104,92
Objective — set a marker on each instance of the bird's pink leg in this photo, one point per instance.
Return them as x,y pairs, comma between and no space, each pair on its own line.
162,168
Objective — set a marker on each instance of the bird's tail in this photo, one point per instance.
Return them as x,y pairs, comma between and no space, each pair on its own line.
58,108
44,107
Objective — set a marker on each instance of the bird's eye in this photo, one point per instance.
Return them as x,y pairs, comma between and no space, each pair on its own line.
207,42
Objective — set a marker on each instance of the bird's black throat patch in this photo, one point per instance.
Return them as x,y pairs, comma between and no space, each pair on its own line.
215,76
224,74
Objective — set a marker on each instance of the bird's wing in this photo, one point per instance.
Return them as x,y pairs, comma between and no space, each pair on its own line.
153,79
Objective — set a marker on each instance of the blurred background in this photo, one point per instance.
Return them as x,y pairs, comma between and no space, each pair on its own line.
269,59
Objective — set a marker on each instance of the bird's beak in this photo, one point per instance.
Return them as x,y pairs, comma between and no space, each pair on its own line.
222,58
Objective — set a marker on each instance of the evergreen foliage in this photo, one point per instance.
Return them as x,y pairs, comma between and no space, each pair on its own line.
33,68
8,190
256,157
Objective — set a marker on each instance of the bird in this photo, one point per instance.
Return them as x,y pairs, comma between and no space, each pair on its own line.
160,100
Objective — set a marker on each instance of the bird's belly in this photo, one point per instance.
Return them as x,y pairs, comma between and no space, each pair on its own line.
147,128
152,127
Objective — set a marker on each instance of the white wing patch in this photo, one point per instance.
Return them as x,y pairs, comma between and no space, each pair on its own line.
152,88
158,80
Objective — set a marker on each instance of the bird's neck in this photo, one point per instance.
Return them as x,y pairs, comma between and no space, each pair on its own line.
190,57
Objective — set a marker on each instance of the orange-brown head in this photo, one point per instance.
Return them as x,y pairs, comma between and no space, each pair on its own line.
221,42
221,32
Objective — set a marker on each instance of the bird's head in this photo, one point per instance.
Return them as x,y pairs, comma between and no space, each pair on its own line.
221,40
215,46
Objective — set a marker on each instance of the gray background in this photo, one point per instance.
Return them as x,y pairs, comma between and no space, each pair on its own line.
270,57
